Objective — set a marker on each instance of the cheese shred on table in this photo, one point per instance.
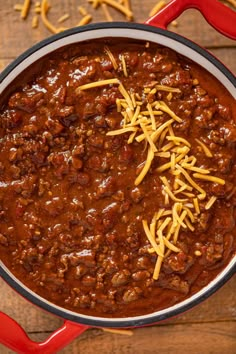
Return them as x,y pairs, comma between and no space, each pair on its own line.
156,8
46,22
25,9
35,21
63,18
106,12
123,9
85,20
82,11
126,332
184,197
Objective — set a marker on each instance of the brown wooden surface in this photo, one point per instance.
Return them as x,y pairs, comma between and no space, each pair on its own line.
208,328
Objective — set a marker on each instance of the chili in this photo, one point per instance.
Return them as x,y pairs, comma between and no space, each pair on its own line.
71,215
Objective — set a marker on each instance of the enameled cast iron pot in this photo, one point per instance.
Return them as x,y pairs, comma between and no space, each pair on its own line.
224,20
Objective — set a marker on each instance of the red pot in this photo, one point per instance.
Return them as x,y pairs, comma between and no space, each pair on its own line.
220,17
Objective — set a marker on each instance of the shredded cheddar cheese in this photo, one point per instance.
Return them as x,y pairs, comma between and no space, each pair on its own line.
146,167
25,9
126,332
126,96
82,11
97,84
18,7
124,65
194,168
157,267
183,196
135,116
174,23
154,113
35,21
167,165
196,206
157,133
167,88
204,148
163,154
181,183
133,99
178,139
190,226
209,178
85,20
95,3
126,3
176,218
151,113
122,131
169,96
190,214
122,6
163,107
151,239
167,147
123,9
170,245
47,23
38,10
148,138
111,57
106,12
210,202
63,18
190,180
162,137
157,8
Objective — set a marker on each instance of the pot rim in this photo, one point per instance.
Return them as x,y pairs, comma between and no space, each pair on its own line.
120,322
130,28
119,25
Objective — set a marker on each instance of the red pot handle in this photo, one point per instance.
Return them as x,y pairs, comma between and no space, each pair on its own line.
14,337
219,16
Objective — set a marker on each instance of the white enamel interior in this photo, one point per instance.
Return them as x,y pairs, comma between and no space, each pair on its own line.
194,299
127,33
141,35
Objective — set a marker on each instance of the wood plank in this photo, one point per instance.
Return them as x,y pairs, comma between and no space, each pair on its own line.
17,35
227,57
5,62
218,338
219,307
208,338
29,317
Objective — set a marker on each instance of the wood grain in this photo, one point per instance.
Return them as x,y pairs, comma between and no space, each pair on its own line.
205,338
220,307
17,35
218,338
208,328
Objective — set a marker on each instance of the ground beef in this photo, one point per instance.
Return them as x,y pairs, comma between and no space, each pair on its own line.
71,215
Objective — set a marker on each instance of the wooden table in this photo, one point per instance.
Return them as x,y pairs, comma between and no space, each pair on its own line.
209,328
